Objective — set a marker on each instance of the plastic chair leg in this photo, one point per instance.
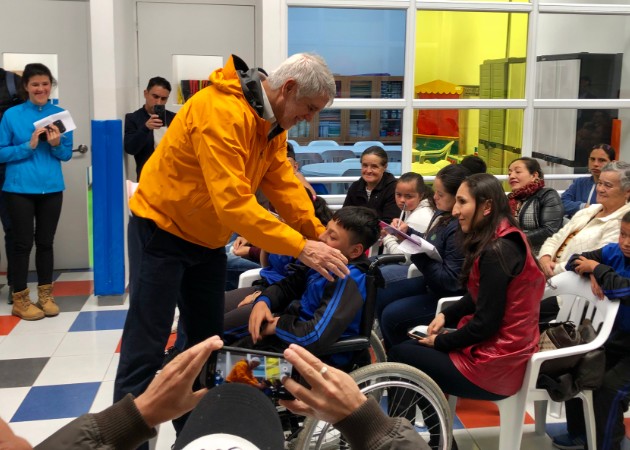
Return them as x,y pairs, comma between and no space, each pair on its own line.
540,416
512,414
589,417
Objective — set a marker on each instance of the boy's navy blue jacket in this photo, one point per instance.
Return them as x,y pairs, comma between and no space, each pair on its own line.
325,311
613,275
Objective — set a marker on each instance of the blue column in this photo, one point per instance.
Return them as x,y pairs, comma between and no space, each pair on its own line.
108,207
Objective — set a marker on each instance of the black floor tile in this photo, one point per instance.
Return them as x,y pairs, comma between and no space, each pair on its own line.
20,372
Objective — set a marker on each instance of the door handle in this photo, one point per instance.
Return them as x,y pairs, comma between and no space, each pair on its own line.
82,148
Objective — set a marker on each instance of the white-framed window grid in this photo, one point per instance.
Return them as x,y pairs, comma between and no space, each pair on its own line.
529,104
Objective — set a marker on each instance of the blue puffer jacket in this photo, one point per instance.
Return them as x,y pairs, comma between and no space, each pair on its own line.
31,171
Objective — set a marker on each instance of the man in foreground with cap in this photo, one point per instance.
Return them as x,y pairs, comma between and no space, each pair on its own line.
232,414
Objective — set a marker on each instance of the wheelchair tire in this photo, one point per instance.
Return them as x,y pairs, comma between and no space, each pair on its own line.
377,380
377,351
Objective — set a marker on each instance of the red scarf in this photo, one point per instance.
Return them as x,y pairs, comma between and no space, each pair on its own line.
516,197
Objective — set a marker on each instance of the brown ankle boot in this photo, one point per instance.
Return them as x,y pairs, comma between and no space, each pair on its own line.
46,302
23,308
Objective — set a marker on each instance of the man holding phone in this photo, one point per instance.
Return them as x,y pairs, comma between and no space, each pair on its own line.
145,127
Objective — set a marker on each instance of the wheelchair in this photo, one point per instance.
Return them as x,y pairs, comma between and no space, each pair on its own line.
387,382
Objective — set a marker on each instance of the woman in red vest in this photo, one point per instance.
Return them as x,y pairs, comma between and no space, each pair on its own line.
497,319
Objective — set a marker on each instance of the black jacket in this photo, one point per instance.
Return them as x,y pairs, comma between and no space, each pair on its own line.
138,138
382,199
541,216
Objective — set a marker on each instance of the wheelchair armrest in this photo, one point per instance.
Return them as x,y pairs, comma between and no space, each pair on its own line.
351,344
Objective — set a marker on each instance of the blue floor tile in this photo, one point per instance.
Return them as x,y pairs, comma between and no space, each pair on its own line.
99,320
56,402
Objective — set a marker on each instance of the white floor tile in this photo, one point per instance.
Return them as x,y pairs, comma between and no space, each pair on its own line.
104,397
89,343
74,369
19,346
110,375
92,304
57,324
11,400
76,276
38,430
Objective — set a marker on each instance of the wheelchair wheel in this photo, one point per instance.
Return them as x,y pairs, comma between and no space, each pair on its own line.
377,352
402,391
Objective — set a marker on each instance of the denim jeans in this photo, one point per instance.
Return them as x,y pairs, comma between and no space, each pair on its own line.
402,305
162,269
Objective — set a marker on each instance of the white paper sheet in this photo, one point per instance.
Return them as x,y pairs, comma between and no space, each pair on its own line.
64,116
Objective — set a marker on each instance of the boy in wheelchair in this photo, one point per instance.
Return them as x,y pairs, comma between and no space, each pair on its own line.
305,308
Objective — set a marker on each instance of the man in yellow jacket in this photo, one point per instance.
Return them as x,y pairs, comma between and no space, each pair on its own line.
198,188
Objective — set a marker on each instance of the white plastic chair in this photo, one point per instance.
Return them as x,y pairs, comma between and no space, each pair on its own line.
248,277
323,143
578,302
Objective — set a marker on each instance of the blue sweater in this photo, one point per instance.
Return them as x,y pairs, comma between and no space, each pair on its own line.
576,197
31,171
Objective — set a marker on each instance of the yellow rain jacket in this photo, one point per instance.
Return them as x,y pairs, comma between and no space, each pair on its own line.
199,184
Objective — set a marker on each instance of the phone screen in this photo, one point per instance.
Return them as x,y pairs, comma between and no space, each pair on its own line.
415,334
227,366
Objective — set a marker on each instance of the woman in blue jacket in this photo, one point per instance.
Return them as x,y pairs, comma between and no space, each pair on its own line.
34,188
413,301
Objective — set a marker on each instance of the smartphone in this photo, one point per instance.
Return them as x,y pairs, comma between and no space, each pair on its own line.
160,110
59,124
270,372
416,334
421,331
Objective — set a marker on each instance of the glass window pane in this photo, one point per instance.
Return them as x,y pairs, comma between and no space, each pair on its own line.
603,2
576,60
495,135
347,127
365,47
481,51
565,137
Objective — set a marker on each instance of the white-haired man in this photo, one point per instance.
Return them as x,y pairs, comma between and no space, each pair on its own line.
198,188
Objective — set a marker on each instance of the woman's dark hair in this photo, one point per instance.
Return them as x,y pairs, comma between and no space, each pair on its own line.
532,165
322,211
626,217
452,176
35,69
484,188
610,151
425,192
378,151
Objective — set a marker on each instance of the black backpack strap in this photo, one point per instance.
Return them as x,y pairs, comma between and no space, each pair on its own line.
10,80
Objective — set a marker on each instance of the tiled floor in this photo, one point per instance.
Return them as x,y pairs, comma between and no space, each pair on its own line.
55,369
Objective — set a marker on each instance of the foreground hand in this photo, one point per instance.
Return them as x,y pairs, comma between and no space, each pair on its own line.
400,225
596,288
259,315
170,393
547,265
324,259
584,266
35,137
333,395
